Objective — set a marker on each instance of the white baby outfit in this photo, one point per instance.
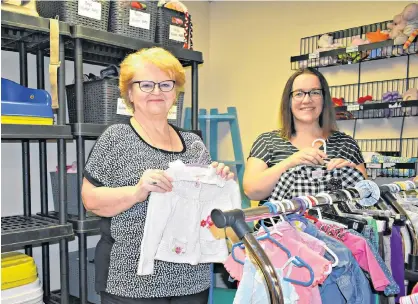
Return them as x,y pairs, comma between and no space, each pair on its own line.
177,222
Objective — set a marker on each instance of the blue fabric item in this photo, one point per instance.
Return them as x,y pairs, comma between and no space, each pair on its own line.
347,282
253,289
391,289
369,234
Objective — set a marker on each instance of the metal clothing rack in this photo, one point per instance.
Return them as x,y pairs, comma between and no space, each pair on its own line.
236,219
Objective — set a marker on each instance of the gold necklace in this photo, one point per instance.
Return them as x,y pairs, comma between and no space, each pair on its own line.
152,142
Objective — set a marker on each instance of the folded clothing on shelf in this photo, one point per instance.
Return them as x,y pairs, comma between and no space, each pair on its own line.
381,159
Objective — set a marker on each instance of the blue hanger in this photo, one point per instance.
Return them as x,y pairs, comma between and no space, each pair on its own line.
297,260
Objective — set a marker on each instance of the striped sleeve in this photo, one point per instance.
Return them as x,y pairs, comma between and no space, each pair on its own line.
352,151
260,148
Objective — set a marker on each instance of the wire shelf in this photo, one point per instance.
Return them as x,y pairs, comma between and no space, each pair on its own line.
390,157
18,231
352,55
344,37
377,99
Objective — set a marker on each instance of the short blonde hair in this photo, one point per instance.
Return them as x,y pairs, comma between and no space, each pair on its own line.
157,56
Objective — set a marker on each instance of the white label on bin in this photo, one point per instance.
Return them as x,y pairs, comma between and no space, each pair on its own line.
122,109
90,8
313,55
353,108
177,33
351,49
139,19
172,114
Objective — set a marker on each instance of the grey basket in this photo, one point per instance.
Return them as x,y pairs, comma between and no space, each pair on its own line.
100,102
67,11
74,278
72,193
164,21
119,20
177,120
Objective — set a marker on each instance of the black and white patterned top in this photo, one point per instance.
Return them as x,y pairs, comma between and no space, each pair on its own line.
271,148
309,180
118,159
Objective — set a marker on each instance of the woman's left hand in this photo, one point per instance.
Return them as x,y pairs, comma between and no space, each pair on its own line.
340,163
223,170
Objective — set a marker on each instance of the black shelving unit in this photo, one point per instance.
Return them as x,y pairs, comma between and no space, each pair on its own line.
80,44
375,104
27,34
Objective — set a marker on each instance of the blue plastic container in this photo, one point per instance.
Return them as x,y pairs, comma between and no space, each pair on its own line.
21,104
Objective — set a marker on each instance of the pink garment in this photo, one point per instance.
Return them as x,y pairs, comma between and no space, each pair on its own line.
415,289
278,257
364,257
312,242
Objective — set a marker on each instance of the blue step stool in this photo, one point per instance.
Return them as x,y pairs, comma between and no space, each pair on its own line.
214,118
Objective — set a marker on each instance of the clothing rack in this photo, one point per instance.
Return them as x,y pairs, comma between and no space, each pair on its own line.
365,190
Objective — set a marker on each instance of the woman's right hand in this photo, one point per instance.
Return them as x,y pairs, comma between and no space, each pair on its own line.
153,181
308,156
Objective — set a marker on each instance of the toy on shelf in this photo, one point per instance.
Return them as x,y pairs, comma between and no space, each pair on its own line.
363,99
22,105
391,96
411,94
338,102
404,28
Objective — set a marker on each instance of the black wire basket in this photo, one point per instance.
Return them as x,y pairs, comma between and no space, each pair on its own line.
89,13
133,22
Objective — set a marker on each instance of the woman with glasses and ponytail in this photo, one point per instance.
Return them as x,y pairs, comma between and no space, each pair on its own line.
306,114
126,164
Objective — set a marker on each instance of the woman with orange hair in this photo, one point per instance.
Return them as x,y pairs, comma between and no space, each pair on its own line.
126,164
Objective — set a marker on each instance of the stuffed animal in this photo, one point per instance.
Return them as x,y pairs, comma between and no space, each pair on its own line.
411,94
410,15
396,30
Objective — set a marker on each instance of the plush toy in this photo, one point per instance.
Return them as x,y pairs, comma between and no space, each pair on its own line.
396,30
377,36
410,15
326,43
411,94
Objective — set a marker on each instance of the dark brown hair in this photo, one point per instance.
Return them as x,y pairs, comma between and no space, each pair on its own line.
327,119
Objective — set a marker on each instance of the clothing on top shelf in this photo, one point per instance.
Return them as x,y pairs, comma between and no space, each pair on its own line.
177,222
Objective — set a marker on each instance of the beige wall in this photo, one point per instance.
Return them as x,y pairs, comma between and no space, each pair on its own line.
250,44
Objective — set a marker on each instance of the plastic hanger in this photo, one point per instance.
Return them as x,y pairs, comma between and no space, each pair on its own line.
295,260
202,153
324,144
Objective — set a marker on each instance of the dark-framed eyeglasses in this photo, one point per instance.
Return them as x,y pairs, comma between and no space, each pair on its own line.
148,86
315,94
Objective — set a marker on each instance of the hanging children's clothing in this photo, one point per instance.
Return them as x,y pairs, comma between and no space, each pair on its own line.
177,225
253,289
